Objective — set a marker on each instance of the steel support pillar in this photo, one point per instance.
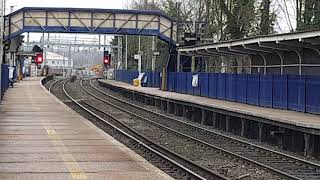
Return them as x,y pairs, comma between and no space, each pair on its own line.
168,108
193,115
214,119
203,116
193,64
260,132
243,127
184,111
126,55
176,110
307,144
178,61
228,118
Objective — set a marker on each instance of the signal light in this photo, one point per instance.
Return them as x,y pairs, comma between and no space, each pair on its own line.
39,58
106,58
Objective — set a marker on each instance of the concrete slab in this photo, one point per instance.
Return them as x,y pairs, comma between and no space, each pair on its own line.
294,118
41,138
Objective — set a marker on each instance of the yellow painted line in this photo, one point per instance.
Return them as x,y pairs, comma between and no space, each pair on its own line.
71,163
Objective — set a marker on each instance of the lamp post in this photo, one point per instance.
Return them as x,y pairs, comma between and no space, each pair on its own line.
178,5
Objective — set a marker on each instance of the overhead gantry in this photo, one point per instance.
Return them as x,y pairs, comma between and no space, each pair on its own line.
92,21
291,53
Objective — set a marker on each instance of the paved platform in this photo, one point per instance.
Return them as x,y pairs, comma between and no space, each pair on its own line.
41,138
294,118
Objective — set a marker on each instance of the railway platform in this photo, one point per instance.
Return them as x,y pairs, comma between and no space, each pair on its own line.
42,138
292,130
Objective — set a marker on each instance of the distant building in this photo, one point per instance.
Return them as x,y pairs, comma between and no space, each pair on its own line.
57,61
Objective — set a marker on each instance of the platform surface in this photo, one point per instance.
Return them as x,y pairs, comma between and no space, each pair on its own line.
41,138
283,116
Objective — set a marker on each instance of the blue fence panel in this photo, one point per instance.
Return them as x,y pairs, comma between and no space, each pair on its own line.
221,91
189,83
280,91
181,82
156,79
213,85
253,89
171,81
149,76
296,93
178,85
128,75
118,75
134,75
4,78
265,96
242,81
312,94
231,91
197,90
204,84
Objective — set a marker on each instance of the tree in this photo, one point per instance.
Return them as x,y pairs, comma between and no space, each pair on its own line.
308,14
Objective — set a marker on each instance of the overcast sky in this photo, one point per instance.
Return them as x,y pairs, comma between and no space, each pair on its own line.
104,4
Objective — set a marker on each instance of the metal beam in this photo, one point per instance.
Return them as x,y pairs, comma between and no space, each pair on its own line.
36,21
151,20
264,51
59,22
76,45
277,46
76,16
102,22
121,26
315,48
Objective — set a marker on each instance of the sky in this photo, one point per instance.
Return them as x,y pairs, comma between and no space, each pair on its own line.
103,4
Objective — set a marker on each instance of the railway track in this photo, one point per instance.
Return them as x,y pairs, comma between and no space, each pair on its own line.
166,160
191,148
287,166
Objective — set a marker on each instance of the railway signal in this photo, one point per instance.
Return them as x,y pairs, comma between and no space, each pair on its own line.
39,58
106,58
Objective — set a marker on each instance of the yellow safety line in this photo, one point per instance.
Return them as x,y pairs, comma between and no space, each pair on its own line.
74,168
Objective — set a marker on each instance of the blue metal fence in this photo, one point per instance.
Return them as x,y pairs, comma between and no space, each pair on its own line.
126,76
297,93
213,82
280,91
292,92
4,78
312,94
242,84
266,93
253,87
231,87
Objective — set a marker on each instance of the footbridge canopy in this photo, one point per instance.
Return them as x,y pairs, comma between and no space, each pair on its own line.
93,21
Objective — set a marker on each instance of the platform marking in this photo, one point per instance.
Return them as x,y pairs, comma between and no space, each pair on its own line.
74,168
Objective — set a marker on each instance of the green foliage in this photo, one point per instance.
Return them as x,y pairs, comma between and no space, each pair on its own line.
224,19
308,14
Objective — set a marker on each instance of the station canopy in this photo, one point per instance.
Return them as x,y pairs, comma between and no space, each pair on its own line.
291,53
